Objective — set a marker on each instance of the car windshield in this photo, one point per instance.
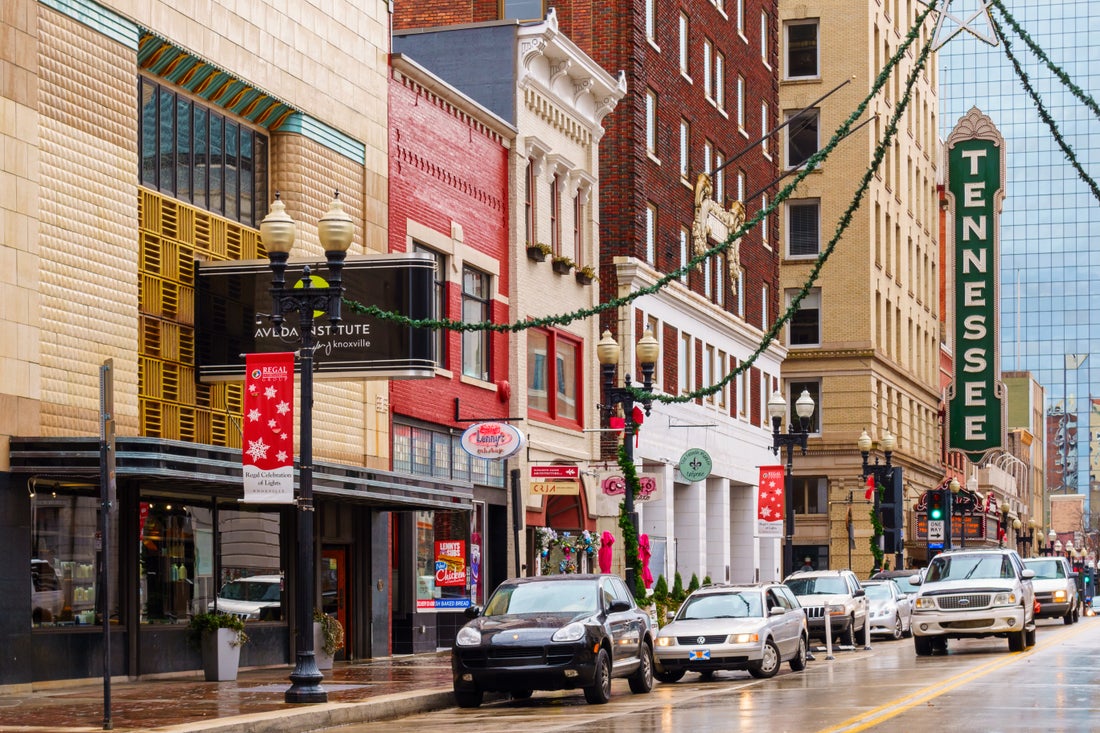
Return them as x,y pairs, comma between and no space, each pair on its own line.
969,567
904,585
243,590
878,591
559,596
1047,569
722,605
829,585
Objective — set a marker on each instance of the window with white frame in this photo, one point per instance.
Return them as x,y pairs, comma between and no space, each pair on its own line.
708,74
765,297
741,294
720,281
685,142
803,228
719,80
764,50
686,363
685,68
651,233
802,137
741,102
651,122
794,391
804,328
685,237
741,186
708,370
708,277
739,19
720,373
765,127
578,229
765,223
719,179
439,286
801,53
476,302
530,197
651,20
654,327
708,156
743,391
555,214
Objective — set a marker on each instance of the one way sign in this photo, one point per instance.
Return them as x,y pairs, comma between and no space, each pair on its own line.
555,472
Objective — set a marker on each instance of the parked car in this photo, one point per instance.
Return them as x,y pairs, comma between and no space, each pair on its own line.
973,594
890,611
836,592
253,598
901,577
1055,586
553,632
733,627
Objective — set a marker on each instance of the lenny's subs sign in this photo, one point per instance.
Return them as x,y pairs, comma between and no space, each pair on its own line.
975,191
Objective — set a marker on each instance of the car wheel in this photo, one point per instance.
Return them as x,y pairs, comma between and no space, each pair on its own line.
521,694
642,679
923,645
706,675
848,636
768,664
1068,618
600,690
672,675
468,698
1017,640
897,628
798,661
1029,637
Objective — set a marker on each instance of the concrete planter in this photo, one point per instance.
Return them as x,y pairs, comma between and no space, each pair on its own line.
324,661
221,655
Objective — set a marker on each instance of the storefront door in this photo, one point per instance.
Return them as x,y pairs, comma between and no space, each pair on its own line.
335,593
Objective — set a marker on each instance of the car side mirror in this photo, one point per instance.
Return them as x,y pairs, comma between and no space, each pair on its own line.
858,592
1028,574
670,615
777,611
915,580
618,607
1073,574
472,612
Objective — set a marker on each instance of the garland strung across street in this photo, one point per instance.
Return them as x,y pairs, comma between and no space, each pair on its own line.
810,165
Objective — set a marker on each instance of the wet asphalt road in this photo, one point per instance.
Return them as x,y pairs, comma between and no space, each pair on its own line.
979,686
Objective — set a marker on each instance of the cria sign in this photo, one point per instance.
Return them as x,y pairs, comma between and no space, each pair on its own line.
492,440
975,190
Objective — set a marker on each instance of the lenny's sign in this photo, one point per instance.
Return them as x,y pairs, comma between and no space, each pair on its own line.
975,190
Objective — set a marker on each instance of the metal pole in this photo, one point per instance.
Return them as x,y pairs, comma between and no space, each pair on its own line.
947,520
788,488
306,677
628,498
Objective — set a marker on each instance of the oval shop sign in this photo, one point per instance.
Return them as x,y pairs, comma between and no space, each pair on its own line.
492,440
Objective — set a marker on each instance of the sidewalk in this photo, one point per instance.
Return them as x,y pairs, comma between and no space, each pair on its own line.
358,692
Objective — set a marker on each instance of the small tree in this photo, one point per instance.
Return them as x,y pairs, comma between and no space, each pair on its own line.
661,600
678,594
694,584
706,580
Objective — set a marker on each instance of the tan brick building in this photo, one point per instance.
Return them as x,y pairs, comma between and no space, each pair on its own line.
865,342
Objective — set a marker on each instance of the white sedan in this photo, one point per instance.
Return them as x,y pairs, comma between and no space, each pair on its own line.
890,611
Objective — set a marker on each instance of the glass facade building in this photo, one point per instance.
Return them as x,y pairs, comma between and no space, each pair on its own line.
1050,266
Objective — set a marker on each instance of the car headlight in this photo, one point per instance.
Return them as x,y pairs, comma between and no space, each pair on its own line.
468,636
572,632
1004,599
666,641
836,610
1059,596
926,604
744,638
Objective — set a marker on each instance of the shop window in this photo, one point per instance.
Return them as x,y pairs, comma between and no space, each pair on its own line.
424,451
475,309
809,494
439,340
448,559
553,374
65,556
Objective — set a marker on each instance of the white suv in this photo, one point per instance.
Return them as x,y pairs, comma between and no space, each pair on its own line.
972,594
833,592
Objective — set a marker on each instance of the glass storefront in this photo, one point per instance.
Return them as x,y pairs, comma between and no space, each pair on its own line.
449,550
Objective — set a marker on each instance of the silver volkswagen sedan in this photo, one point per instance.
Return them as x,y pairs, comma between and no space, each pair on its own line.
753,627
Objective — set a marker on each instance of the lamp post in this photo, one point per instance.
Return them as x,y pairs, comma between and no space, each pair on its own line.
883,474
607,351
1069,549
1006,511
777,409
1023,539
949,499
335,230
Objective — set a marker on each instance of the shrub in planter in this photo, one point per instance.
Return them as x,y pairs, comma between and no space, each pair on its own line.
562,264
219,636
332,632
537,251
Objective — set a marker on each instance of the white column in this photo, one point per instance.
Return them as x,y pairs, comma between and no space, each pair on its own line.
691,528
656,519
718,530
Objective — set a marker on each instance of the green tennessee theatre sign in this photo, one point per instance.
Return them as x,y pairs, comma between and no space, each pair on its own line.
975,184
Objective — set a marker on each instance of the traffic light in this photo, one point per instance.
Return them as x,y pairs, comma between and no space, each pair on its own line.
935,504
890,508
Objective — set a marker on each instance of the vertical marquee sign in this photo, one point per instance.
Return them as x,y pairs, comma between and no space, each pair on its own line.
975,191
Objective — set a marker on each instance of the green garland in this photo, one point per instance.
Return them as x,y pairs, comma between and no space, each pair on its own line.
876,525
630,534
811,164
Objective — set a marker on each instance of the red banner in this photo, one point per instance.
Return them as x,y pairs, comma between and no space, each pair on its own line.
267,435
769,512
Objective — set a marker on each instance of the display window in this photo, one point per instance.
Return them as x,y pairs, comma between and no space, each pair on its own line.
449,550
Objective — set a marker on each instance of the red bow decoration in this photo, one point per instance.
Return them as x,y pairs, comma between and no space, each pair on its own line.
870,488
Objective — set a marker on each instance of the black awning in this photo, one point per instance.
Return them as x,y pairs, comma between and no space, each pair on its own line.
181,466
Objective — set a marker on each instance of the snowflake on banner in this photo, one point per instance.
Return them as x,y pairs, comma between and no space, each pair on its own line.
257,449
253,414
282,408
284,436
280,456
765,511
270,393
252,388
272,424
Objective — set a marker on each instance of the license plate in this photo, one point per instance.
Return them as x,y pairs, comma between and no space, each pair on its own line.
699,655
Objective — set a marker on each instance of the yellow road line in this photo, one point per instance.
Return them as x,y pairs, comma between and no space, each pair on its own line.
899,705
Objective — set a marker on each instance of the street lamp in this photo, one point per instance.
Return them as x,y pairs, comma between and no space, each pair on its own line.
948,541
607,351
1005,511
890,505
335,230
1069,549
777,409
1025,539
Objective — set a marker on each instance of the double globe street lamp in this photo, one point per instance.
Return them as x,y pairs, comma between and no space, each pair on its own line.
607,351
335,230
777,410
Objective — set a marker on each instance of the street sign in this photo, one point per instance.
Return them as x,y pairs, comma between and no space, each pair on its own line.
556,488
935,530
555,471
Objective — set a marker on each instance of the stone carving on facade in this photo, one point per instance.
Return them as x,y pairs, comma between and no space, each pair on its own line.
711,220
